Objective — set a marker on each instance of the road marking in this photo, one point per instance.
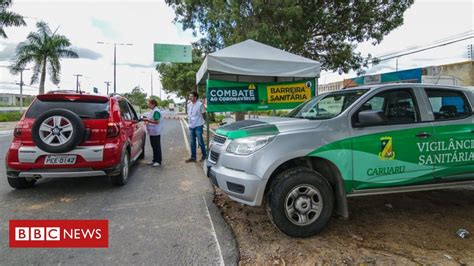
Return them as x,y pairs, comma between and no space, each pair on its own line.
6,133
221,259
185,135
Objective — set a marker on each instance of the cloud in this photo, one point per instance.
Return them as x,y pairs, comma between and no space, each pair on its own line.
87,53
105,27
137,65
8,51
380,68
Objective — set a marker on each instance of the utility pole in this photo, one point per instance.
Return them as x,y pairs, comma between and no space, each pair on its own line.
77,81
108,84
21,88
21,85
21,91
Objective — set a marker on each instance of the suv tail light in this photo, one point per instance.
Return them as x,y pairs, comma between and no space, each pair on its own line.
17,132
112,130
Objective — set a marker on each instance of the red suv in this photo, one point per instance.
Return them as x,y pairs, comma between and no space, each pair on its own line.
64,134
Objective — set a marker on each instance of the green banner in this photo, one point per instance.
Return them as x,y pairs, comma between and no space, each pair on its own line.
226,96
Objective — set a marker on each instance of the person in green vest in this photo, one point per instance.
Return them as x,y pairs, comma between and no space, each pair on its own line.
154,126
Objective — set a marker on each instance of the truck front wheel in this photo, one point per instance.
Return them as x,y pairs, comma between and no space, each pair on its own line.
300,202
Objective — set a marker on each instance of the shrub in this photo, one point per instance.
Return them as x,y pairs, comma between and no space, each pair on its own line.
219,118
10,116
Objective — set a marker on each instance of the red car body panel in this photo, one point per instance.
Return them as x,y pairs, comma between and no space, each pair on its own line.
131,136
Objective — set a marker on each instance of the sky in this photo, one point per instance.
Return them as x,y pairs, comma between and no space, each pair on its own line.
85,23
144,22
424,23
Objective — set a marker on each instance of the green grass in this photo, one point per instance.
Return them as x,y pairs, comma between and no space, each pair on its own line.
10,116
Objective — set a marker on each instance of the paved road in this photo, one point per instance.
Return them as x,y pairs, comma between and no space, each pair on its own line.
163,215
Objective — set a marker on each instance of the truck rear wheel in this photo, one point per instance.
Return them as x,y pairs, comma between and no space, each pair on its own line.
300,202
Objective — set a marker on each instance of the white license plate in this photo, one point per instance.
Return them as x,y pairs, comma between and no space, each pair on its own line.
60,159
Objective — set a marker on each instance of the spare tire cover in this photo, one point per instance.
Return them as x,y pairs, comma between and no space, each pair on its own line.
58,131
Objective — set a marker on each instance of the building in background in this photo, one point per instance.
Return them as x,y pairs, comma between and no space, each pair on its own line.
333,86
457,74
10,94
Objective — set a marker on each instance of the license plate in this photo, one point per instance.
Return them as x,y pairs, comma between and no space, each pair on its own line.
60,159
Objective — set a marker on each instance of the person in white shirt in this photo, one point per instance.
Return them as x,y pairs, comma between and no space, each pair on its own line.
196,122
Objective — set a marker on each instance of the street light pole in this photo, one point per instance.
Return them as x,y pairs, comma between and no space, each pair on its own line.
151,84
115,60
115,68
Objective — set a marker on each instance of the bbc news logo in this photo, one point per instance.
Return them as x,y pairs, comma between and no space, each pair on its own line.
59,233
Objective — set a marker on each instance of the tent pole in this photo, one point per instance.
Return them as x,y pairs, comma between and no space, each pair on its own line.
207,118
316,86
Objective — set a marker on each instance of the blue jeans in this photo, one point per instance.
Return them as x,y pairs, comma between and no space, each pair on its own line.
193,133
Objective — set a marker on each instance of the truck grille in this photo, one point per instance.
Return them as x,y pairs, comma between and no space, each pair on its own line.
213,157
219,139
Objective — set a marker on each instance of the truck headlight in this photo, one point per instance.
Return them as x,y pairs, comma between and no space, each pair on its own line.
248,145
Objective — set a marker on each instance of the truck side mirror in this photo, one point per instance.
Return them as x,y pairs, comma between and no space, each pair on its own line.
371,118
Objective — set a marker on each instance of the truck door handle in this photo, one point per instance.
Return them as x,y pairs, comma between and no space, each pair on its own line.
423,135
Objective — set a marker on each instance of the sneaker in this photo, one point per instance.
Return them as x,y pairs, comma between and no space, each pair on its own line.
155,164
190,160
149,162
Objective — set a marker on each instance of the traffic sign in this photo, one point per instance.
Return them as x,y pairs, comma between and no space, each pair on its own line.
173,53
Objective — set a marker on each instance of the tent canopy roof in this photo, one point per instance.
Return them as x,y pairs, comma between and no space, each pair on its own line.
255,60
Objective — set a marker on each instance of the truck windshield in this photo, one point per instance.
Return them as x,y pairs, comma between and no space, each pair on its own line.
327,106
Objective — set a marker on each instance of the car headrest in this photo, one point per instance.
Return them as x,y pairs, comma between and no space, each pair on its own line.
448,109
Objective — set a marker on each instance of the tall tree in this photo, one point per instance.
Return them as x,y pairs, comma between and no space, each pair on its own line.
8,18
180,78
45,49
137,97
326,31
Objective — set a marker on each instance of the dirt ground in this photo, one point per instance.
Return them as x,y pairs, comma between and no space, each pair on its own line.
408,228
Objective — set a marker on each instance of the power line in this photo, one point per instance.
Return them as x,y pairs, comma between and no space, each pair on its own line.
423,49
446,39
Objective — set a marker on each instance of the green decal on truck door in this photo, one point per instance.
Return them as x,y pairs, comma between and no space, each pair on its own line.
399,157
452,152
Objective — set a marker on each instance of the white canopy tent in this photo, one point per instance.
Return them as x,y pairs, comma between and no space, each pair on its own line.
251,61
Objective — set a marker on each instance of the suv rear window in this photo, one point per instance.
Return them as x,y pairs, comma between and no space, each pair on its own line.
86,110
448,104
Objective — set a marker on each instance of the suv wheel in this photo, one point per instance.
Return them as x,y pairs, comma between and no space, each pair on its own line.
122,178
20,182
57,131
300,202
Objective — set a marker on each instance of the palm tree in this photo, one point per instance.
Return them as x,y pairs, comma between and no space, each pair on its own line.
45,49
8,18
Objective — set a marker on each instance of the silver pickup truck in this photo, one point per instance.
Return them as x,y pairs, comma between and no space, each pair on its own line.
359,141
